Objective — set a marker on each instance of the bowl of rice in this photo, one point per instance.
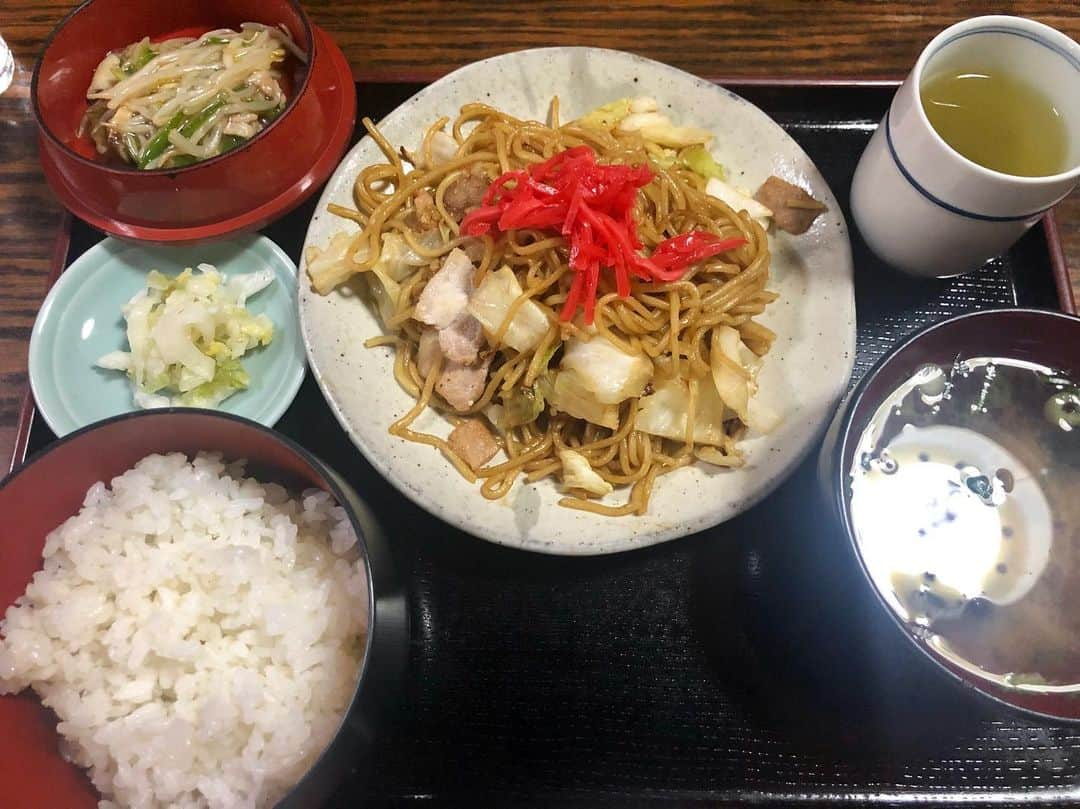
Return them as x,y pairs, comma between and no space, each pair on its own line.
199,613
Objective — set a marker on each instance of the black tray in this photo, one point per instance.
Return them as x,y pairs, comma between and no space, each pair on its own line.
744,664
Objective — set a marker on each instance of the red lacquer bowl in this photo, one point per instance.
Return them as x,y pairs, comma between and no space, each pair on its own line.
241,190
50,488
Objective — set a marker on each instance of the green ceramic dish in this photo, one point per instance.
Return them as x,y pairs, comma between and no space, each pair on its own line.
80,321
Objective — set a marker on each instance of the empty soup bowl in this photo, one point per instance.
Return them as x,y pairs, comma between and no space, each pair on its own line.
953,469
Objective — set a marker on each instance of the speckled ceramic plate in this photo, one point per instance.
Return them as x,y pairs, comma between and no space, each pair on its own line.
804,374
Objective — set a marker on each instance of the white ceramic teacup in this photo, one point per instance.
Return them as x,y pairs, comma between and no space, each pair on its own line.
922,206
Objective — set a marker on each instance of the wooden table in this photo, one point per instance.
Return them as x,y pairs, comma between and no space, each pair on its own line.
423,39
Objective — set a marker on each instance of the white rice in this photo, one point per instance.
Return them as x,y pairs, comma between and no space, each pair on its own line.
197,633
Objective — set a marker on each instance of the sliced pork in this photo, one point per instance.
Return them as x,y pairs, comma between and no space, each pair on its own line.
461,385
473,441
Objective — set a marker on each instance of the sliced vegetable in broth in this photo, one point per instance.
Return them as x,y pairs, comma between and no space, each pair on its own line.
169,104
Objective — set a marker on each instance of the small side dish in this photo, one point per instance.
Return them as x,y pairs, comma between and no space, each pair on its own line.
224,334
169,104
186,336
198,633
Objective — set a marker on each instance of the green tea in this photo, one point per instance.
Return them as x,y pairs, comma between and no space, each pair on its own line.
998,121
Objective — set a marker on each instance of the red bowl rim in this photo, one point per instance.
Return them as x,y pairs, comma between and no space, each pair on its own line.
309,33
339,133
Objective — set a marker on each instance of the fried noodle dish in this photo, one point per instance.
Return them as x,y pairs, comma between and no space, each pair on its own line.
578,300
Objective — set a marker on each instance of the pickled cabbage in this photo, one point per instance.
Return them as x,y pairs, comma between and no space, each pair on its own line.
186,336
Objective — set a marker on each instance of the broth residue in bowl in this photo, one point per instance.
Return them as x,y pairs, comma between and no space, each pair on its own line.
965,507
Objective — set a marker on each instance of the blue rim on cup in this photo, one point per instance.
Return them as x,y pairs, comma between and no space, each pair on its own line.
80,320
922,206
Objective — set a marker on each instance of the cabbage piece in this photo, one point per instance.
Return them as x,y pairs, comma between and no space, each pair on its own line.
664,412
245,286
570,395
201,284
495,414
701,162
327,267
549,352
734,388
609,373
760,417
738,201
182,379
523,406
607,116
577,474
115,361
658,128
137,314
161,282
184,321
491,303
663,158
136,56
242,332
715,457
396,259
442,148
642,115
229,377
738,390
107,74
149,401
644,104
385,291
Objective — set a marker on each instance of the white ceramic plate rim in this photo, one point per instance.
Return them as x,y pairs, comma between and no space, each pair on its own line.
58,421
453,499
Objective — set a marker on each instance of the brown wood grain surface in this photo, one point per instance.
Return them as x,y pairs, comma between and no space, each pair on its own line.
423,39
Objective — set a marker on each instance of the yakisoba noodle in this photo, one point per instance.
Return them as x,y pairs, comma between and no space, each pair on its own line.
674,324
